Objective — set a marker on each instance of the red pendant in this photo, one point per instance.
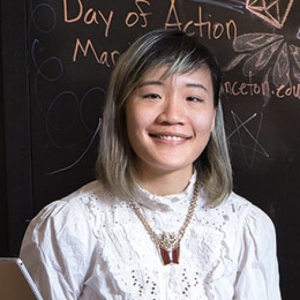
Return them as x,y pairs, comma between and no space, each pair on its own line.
170,256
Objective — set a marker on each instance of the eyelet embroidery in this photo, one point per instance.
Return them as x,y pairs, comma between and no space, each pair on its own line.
109,215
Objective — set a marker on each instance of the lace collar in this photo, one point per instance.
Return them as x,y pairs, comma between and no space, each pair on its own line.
169,202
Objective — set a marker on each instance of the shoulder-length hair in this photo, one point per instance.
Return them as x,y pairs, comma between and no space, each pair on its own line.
116,164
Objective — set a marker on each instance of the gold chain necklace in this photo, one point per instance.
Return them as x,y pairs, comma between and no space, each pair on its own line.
169,243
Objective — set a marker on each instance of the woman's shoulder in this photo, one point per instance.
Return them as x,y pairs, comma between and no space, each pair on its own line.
73,206
254,218
62,232
69,219
91,190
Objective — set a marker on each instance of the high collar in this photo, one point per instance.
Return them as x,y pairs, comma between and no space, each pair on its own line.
169,202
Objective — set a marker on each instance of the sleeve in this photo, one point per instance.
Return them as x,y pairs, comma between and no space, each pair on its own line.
258,276
57,250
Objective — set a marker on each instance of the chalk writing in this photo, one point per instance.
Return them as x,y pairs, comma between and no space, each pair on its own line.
204,27
78,11
292,91
264,89
249,88
106,58
133,18
91,16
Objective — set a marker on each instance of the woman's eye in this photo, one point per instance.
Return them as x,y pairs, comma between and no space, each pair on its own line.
151,96
194,99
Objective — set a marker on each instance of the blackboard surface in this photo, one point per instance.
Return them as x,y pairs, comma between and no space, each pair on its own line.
3,203
57,60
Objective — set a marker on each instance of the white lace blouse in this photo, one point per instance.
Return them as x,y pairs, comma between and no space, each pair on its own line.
91,245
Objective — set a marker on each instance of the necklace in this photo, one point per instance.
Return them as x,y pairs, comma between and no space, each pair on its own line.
169,243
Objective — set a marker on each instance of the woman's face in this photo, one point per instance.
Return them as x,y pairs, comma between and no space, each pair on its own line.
169,121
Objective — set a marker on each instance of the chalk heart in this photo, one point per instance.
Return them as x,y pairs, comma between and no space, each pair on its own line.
274,12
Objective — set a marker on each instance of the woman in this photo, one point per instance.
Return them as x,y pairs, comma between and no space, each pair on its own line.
161,221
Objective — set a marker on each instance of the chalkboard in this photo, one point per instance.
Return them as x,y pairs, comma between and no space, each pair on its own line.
67,50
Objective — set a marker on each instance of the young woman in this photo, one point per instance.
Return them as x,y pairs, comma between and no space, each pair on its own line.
161,222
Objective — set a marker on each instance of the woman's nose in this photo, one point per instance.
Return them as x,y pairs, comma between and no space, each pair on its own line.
172,111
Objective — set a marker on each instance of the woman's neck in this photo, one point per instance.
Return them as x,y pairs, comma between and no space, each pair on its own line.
168,183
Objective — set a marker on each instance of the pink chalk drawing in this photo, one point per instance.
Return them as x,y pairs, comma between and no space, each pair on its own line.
274,12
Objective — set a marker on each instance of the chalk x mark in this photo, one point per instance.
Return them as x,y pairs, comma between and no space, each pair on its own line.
241,125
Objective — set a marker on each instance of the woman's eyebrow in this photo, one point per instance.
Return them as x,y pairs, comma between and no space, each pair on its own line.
150,82
157,82
197,85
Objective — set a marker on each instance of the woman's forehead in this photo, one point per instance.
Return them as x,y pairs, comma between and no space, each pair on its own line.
162,73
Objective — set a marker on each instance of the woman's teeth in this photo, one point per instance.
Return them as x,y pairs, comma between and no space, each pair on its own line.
171,138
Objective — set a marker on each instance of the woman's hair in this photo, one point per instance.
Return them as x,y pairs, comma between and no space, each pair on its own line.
116,165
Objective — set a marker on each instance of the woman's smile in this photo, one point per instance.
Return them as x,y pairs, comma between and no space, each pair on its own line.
175,137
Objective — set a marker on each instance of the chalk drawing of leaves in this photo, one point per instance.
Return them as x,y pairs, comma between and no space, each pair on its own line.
295,52
259,51
281,70
235,62
296,74
260,59
253,41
